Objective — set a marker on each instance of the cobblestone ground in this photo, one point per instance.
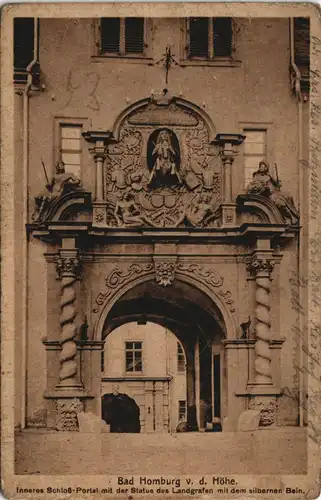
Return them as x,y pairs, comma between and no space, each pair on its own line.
282,451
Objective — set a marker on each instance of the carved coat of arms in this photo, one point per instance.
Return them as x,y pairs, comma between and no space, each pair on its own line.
163,171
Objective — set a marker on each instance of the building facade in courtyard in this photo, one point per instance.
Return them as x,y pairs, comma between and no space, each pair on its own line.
162,219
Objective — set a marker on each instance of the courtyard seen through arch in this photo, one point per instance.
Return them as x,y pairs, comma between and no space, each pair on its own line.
163,349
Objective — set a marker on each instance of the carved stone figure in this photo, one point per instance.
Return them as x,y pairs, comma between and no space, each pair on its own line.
164,171
199,211
127,213
136,181
266,185
60,184
118,178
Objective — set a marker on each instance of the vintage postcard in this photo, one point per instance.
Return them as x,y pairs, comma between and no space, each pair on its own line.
161,242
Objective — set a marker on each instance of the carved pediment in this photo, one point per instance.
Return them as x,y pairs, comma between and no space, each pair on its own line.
164,170
159,116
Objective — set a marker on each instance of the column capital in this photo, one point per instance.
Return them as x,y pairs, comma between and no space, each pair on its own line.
260,265
100,140
233,139
68,263
226,142
99,136
99,152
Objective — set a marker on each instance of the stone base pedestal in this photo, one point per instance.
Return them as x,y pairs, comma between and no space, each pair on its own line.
228,214
264,399
66,404
268,407
99,214
67,410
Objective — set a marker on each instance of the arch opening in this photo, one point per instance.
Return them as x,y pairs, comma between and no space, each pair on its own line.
147,333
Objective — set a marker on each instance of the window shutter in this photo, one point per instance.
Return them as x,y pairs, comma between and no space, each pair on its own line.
134,35
222,36
198,37
110,34
302,40
23,46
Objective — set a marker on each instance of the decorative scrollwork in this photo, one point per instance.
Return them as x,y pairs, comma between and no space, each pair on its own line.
117,277
227,297
164,276
209,276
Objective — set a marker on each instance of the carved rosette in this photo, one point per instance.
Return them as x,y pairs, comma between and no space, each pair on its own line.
268,408
262,269
67,411
68,267
164,271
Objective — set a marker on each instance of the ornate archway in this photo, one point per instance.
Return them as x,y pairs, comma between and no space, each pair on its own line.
194,319
203,278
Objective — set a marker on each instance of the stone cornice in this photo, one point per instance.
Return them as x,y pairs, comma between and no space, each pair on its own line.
91,345
52,231
275,343
142,378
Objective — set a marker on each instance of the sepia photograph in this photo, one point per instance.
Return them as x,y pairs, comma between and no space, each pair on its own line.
160,260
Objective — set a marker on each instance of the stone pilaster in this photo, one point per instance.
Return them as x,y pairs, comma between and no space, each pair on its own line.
227,143
99,153
99,149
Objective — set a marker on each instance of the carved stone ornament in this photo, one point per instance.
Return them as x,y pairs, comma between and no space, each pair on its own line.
67,266
163,171
67,410
268,408
265,184
165,271
204,274
99,216
259,266
118,277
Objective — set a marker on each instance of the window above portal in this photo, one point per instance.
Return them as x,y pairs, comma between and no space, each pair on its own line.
123,37
209,37
209,41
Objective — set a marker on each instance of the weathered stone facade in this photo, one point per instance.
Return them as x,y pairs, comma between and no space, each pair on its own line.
160,223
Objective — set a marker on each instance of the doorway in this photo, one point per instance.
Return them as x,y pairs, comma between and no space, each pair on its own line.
121,412
196,325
